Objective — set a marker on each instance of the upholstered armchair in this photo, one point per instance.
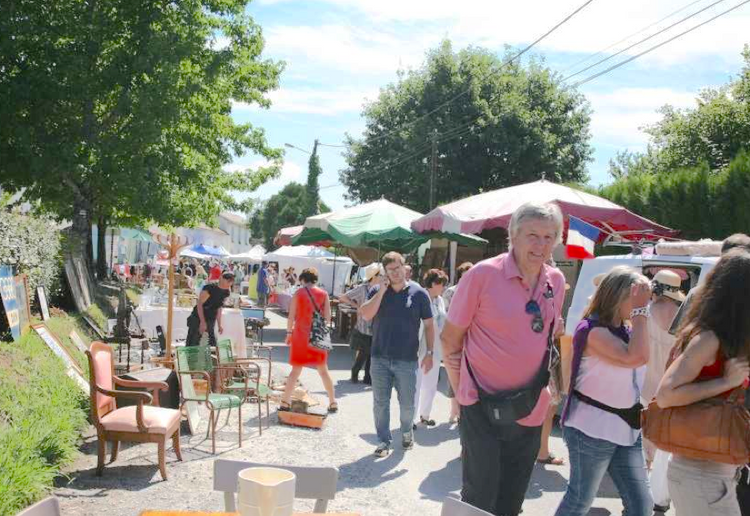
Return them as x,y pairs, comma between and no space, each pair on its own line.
145,422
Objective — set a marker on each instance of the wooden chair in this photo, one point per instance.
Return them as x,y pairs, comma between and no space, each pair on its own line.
196,361
455,507
256,391
145,423
314,483
47,507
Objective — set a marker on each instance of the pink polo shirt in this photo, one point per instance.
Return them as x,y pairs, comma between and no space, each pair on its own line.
505,353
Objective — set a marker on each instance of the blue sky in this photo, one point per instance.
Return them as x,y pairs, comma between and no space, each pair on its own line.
338,54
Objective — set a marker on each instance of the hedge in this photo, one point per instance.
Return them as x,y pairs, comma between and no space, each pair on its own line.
697,202
42,415
32,243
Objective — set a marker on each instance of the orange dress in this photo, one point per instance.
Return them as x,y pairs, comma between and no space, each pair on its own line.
302,353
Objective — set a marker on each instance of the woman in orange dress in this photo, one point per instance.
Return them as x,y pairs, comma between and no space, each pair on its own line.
298,326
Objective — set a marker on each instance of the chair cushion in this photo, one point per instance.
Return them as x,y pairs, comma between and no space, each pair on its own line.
156,419
222,401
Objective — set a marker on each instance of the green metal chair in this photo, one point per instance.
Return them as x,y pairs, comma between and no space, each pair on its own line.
258,390
196,362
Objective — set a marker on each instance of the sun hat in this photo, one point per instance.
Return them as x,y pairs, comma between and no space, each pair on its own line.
371,271
667,283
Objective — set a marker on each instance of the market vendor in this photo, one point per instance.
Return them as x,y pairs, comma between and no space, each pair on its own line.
207,313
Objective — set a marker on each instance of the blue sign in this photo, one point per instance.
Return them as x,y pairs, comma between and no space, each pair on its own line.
8,294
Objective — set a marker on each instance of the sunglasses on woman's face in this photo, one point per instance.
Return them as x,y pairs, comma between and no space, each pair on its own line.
537,323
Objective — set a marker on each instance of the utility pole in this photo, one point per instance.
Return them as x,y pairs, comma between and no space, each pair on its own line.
433,172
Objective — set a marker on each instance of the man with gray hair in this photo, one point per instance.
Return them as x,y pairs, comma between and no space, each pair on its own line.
497,346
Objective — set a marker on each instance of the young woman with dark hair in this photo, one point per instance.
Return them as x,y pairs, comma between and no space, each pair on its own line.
713,345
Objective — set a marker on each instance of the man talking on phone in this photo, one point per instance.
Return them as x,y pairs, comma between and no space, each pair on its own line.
397,307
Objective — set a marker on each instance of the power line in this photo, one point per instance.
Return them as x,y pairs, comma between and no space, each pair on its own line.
644,29
503,65
329,145
579,72
626,61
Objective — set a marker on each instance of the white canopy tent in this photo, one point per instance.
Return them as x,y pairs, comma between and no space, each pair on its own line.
327,264
254,255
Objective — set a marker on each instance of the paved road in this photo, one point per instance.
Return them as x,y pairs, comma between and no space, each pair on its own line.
405,483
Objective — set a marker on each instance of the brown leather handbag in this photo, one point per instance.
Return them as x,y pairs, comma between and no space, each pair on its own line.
715,429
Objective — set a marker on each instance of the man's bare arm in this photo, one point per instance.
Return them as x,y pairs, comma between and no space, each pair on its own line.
452,339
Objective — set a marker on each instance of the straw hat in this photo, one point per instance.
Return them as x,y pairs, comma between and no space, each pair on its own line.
371,271
667,283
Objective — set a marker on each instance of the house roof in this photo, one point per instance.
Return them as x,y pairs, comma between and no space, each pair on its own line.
233,218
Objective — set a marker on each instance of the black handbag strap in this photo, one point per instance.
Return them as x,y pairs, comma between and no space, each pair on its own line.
542,375
317,309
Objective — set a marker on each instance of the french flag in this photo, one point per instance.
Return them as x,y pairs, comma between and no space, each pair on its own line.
582,237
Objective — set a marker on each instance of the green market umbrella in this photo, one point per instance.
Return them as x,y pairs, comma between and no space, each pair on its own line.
379,224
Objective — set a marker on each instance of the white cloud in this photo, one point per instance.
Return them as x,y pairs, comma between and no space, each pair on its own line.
355,50
314,101
389,34
619,115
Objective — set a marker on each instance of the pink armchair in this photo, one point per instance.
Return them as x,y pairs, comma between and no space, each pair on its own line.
146,422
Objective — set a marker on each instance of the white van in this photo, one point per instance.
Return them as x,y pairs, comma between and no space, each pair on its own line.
695,269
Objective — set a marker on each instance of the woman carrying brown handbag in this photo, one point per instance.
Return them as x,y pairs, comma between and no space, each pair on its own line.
715,343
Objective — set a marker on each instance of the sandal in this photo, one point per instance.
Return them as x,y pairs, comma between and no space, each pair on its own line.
333,408
427,422
551,460
284,406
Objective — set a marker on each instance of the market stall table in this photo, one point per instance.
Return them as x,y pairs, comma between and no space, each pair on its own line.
284,300
231,318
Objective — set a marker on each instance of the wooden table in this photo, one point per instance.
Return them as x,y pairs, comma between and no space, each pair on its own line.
197,513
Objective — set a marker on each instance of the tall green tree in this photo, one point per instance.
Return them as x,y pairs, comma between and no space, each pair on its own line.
313,186
120,112
503,126
286,208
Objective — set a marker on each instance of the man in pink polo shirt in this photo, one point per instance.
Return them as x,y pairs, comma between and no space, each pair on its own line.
499,324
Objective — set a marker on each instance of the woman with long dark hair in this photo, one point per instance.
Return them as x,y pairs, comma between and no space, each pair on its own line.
713,345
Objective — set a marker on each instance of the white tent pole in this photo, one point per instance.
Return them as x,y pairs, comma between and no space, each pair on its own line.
453,253
333,275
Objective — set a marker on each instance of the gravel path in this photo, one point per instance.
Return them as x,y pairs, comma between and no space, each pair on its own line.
405,483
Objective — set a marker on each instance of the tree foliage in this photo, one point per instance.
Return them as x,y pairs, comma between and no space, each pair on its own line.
515,123
712,133
314,171
32,244
120,111
286,208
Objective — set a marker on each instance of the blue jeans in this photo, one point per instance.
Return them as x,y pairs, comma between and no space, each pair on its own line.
590,458
387,373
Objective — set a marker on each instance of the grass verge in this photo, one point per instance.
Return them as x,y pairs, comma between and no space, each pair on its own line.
42,415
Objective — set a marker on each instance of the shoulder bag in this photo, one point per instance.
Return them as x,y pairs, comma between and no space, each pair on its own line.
320,337
506,407
715,429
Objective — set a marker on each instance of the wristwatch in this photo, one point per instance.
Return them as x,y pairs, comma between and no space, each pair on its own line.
430,352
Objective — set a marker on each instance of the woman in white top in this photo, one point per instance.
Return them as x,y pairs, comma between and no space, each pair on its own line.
665,303
601,419
434,281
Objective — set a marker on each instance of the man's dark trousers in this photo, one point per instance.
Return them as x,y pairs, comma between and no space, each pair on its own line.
497,462
194,334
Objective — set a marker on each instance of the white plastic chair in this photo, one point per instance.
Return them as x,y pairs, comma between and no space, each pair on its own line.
47,507
455,507
314,483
